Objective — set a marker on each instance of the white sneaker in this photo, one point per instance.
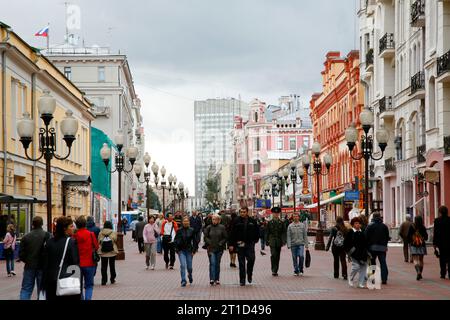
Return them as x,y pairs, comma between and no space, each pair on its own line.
360,286
13,273
350,283
301,274
153,267
146,267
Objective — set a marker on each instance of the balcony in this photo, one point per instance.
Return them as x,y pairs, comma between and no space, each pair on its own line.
418,85
369,60
447,145
421,150
389,165
387,46
443,68
386,108
418,14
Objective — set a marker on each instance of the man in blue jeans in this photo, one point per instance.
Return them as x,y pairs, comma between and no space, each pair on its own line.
297,241
377,235
31,249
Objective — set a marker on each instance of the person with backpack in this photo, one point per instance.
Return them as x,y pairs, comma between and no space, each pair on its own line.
377,235
417,236
336,241
355,245
441,240
108,251
87,251
31,253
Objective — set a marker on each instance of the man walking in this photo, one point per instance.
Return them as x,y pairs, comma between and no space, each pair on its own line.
31,253
403,234
169,229
441,240
297,241
377,237
140,234
244,236
196,223
276,231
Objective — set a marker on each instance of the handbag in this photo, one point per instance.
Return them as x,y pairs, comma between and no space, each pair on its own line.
307,259
95,255
71,285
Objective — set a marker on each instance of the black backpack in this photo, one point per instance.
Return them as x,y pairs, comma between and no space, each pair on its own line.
107,244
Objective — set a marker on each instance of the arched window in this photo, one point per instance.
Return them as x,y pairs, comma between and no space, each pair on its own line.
256,116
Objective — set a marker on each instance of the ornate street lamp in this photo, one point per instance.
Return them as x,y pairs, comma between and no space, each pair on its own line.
294,171
147,176
163,184
366,145
47,140
181,195
317,170
120,162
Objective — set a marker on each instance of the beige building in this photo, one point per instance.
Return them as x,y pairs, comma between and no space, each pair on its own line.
24,75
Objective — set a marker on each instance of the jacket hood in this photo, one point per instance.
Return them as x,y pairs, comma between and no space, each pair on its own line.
90,223
107,232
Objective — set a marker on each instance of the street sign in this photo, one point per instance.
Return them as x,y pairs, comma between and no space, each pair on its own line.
263,203
351,195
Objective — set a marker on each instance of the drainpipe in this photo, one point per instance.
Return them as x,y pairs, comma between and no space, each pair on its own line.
5,152
33,168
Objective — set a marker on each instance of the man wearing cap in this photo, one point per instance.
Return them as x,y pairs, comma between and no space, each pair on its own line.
276,231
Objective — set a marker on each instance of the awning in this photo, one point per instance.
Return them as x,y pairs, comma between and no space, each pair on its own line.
314,205
76,180
18,198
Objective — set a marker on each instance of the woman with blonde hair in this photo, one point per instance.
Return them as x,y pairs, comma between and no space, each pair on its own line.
9,245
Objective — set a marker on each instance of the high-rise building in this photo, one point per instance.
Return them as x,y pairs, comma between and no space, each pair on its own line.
214,120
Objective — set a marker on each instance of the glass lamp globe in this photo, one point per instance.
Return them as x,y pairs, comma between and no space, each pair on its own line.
163,172
306,160
155,168
119,139
147,159
382,135
316,148
25,126
47,104
351,134
138,169
69,125
132,152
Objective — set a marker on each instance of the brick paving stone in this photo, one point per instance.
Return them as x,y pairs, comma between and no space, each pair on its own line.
134,282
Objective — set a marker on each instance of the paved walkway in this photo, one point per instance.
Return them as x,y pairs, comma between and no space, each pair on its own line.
134,282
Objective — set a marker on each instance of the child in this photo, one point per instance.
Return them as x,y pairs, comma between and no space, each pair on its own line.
355,245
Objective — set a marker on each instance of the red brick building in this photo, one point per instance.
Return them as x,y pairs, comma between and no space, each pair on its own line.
332,111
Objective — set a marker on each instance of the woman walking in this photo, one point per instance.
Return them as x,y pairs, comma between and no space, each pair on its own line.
108,252
62,244
151,233
87,245
159,222
9,246
356,247
417,236
186,246
233,250
215,240
336,241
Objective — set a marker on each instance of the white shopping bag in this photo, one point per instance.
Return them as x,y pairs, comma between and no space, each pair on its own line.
41,295
374,277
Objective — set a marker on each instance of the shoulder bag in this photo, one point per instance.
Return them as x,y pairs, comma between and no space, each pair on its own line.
168,238
95,255
68,286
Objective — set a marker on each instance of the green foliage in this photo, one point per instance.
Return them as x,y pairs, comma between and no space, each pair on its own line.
212,192
154,201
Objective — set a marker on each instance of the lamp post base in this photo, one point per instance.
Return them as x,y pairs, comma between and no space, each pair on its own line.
319,243
121,254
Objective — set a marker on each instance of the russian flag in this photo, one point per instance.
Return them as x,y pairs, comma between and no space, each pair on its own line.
43,32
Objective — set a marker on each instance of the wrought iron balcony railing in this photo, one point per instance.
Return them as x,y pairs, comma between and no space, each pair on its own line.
389,165
418,82
421,150
443,64
417,10
385,104
387,42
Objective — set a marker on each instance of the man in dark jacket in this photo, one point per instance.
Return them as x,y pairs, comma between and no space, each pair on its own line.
215,240
140,234
90,225
355,244
196,223
244,235
377,235
276,231
441,240
31,253
403,233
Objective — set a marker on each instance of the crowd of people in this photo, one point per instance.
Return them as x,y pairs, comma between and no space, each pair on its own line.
76,247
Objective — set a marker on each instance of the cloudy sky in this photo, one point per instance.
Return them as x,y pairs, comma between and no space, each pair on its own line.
186,50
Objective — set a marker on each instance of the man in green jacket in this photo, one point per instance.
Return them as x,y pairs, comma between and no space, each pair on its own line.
276,233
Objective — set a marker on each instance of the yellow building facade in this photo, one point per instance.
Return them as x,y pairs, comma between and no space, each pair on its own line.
24,75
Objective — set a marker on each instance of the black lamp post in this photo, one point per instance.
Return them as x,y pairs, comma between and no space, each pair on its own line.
120,162
147,176
47,140
294,171
317,170
366,146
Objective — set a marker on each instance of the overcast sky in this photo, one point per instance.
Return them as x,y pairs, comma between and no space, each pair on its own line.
180,51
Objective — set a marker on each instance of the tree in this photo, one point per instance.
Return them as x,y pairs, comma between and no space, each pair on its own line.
153,200
212,191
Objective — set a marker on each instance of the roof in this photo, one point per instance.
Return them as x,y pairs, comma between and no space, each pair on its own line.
19,198
76,180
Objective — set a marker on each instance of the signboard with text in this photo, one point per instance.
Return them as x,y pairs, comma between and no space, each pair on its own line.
351,195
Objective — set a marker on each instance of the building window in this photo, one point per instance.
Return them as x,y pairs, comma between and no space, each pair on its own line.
101,74
292,143
257,166
242,170
257,144
306,142
68,72
256,116
280,143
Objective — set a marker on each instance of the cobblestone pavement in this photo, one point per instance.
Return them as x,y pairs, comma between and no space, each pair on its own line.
134,282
